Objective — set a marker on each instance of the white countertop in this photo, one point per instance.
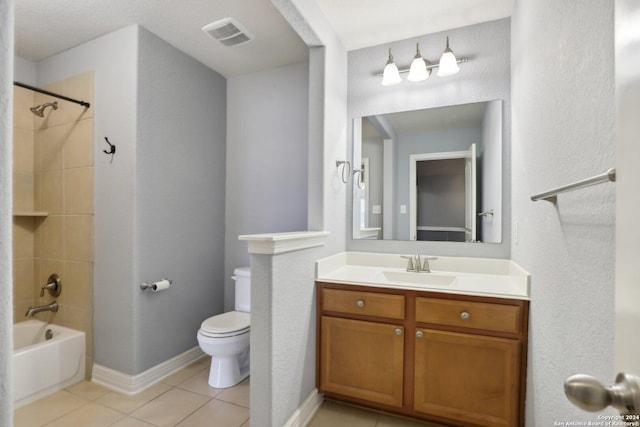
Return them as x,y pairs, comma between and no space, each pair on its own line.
470,276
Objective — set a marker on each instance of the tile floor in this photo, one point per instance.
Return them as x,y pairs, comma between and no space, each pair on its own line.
183,399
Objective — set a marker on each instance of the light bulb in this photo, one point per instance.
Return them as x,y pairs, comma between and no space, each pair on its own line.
418,70
390,75
448,63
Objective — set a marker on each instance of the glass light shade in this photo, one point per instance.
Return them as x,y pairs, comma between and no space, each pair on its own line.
418,71
448,63
390,75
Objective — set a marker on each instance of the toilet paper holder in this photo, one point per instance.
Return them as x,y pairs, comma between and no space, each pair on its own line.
153,286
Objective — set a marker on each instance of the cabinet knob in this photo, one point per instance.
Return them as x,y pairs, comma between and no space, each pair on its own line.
398,331
419,334
360,303
465,316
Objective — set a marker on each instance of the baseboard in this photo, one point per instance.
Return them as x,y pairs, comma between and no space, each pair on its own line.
132,384
305,412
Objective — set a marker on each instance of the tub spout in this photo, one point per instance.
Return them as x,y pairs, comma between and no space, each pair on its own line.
48,307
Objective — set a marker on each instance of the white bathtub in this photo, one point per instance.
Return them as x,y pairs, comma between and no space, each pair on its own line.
40,366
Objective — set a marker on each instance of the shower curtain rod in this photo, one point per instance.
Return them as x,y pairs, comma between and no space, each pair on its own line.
46,92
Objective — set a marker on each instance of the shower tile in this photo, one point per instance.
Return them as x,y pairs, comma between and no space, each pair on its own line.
20,308
49,237
50,145
78,148
78,289
78,238
51,193
23,279
23,192
23,237
78,191
23,150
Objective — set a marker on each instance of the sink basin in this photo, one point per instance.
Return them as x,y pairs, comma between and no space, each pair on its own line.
429,279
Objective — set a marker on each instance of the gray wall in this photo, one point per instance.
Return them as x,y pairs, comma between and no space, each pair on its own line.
6,203
563,130
179,205
166,114
266,189
485,77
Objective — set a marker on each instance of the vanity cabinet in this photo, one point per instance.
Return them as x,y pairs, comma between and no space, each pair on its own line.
453,359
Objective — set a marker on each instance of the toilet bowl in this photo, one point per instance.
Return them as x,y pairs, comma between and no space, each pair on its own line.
225,337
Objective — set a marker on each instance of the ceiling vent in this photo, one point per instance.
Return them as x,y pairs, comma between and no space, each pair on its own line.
228,31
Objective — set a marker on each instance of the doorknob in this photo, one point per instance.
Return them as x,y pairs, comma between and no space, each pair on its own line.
589,394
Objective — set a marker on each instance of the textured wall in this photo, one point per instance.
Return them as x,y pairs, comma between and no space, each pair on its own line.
266,189
563,131
179,205
6,105
484,78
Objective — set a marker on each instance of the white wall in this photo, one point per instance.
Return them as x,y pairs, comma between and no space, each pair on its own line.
485,77
266,182
563,131
25,71
180,199
6,218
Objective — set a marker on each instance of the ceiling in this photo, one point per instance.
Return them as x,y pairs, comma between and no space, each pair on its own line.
44,27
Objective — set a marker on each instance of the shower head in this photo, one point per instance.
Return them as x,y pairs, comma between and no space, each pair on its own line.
39,110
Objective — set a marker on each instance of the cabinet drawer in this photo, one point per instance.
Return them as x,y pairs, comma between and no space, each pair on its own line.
363,303
467,314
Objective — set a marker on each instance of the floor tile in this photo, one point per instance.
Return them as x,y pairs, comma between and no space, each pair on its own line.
238,394
389,421
127,404
199,384
88,390
185,373
333,415
217,413
48,409
91,415
131,422
170,408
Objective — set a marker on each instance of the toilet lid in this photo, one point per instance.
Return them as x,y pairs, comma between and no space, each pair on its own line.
225,323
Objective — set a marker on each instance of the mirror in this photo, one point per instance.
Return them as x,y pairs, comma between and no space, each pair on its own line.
432,174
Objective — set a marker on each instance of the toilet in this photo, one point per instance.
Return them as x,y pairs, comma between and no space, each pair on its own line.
225,337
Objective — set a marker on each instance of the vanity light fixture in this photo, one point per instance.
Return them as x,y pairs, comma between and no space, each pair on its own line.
420,68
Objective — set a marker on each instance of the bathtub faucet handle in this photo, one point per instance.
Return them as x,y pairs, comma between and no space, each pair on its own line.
54,285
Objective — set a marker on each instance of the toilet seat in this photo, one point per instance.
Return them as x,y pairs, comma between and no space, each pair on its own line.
226,324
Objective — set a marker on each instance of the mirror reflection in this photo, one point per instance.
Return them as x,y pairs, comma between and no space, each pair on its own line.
432,174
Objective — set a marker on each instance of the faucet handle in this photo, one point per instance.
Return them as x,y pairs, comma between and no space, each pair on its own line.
54,285
410,266
426,267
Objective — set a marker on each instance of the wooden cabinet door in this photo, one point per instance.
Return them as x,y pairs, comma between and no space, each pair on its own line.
362,360
467,378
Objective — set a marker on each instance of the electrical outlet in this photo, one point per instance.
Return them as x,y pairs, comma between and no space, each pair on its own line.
377,209
403,209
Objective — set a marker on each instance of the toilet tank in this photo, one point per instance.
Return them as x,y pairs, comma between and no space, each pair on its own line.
242,276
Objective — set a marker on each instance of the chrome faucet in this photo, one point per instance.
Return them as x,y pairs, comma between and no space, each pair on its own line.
48,307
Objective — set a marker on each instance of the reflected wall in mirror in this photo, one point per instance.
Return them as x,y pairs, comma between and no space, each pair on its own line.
432,174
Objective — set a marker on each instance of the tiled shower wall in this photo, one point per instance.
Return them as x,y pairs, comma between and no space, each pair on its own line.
53,174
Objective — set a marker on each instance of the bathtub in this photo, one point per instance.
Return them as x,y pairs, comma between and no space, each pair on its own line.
42,366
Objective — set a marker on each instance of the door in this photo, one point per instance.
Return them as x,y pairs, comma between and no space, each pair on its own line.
470,176
627,309
362,360
627,42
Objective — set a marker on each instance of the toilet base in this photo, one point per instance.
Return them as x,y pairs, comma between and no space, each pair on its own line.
228,371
